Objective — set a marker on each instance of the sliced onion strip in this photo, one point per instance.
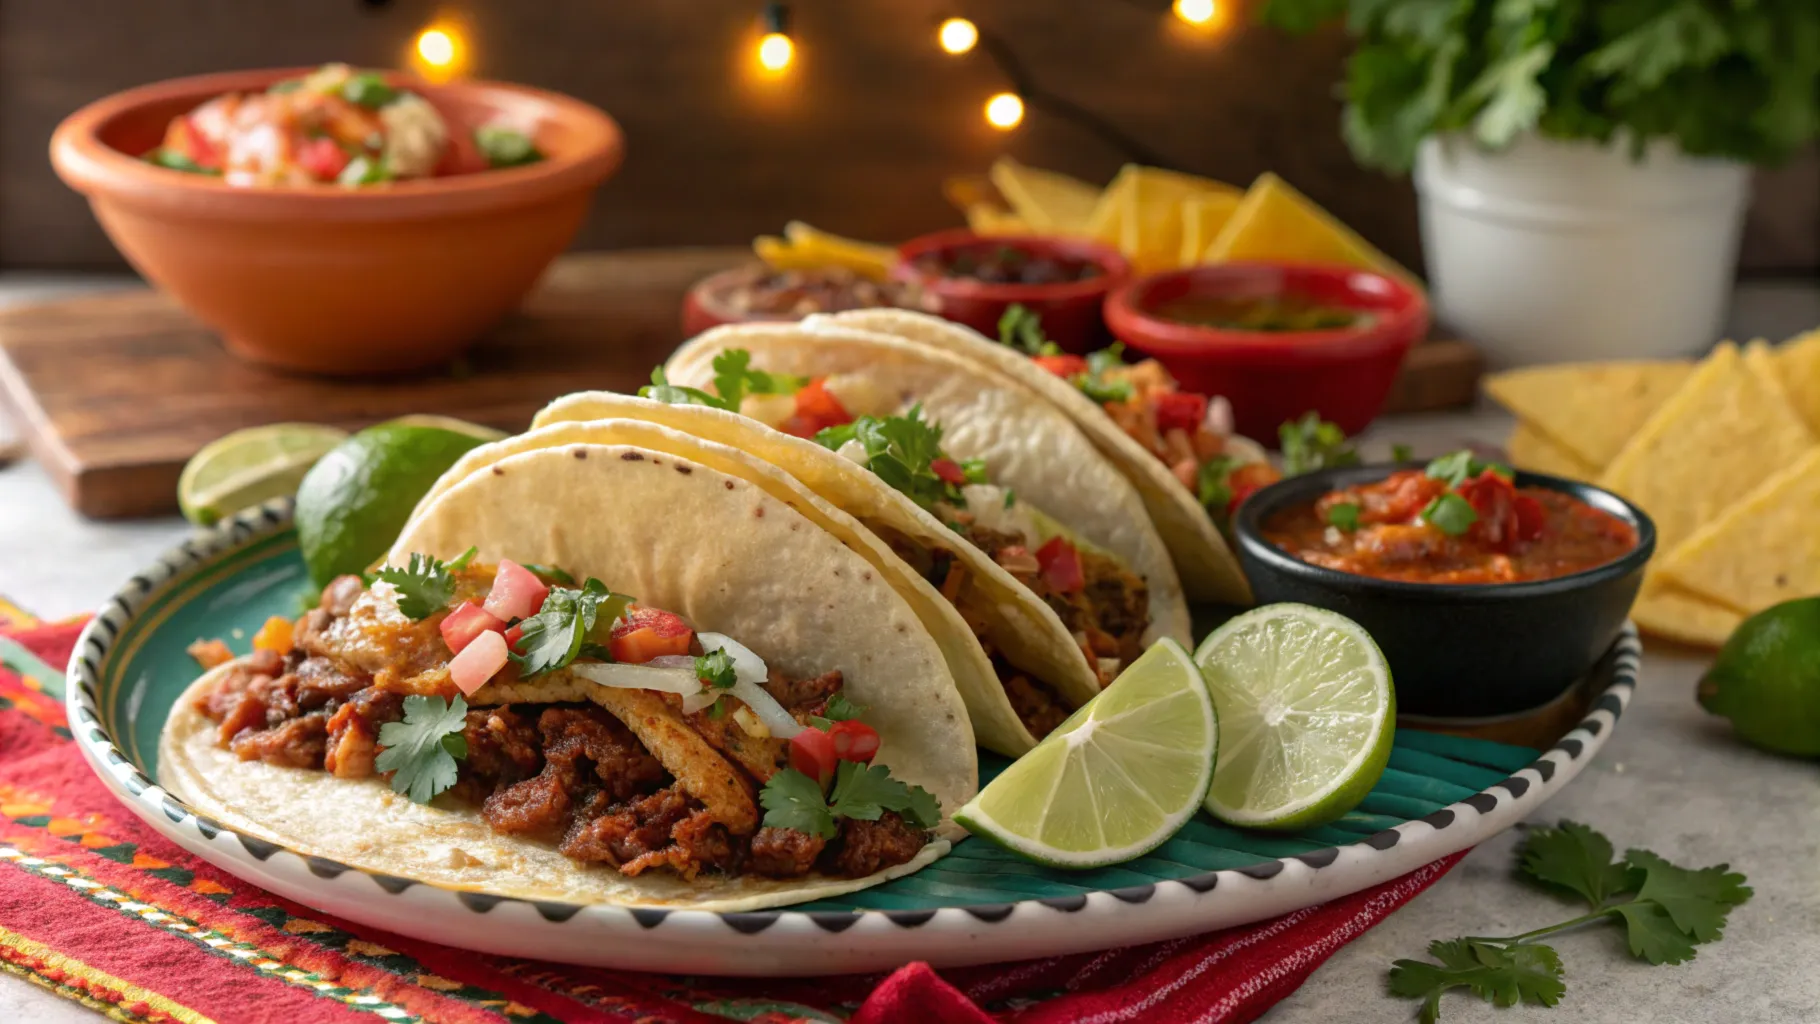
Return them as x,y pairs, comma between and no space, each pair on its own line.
749,671
680,681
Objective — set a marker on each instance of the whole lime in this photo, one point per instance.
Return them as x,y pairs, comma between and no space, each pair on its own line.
1767,679
354,501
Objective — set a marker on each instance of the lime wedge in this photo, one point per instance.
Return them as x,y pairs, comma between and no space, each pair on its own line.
1121,775
1307,716
249,466
354,501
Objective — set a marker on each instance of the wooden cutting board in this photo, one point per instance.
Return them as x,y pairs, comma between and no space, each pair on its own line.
115,392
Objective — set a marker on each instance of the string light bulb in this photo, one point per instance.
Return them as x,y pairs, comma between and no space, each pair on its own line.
958,35
1196,12
776,51
1005,111
439,52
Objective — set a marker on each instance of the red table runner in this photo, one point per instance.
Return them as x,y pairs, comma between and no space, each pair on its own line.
101,909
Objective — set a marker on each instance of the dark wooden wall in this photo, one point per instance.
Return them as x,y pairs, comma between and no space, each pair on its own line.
857,139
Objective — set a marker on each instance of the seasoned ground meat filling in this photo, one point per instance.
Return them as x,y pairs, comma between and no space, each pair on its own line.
571,774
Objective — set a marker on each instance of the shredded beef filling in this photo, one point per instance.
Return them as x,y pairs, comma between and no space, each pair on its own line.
568,774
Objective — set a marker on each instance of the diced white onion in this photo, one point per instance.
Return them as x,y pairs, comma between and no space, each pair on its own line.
853,451
751,724
1218,418
673,661
1108,667
749,671
680,681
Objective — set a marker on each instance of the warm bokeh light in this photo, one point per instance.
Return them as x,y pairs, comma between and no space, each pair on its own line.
1196,12
1004,111
958,35
435,47
440,51
775,52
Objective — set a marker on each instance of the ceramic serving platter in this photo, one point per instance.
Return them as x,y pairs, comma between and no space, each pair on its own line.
1441,794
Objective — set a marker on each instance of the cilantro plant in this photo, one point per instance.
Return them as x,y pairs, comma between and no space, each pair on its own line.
1738,80
1665,912
862,792
421,750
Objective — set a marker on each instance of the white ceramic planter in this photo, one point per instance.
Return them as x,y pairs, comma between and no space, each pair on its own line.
1552,251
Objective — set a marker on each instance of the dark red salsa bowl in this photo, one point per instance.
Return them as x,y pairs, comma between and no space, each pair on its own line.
1457,650
1342,372
974,278
758,293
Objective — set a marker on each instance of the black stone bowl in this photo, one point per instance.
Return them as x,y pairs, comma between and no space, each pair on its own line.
1458,650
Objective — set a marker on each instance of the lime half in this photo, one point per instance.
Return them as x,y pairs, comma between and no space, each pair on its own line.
249,466
449,423
1307,716
1121,775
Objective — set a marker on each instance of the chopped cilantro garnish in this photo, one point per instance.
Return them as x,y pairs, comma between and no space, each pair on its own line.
839,709
1343,516
734,379
1095,384
1401,453
900,450
425,585
718,709
421,750
551,572
561,630
1213,482
175,161
1312,443
716,669
1451,514
1455,468
661,390
1010,497
861,792
369,90
1023,330
506,147
1665,910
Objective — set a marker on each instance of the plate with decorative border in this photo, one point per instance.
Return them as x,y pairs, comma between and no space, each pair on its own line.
979,905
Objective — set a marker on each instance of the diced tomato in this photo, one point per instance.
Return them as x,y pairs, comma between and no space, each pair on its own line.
323,158
517,592
184,137
210,653
816,410
812,753
461,626
1531,519
478,662
948,470
1061,366
461,154
646,633
1493,497
854,741
275,635
1179,410
1250,478
1061,565
513,635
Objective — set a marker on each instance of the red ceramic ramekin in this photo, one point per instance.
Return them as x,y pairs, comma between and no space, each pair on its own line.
1270,377
1070,311
332,280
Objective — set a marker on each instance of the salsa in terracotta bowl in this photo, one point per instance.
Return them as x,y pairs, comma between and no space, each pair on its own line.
1491,592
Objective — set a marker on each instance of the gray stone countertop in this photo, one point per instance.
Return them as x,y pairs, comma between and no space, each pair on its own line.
1671,779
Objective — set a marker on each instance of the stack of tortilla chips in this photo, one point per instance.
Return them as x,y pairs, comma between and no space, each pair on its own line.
1723,454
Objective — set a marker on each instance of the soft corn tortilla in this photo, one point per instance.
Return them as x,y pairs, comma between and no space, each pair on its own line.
1203,561
844,499
1028,445
679,535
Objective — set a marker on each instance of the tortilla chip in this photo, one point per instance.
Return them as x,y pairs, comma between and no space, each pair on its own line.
1202,219
964,190
1049,201
1723,433
1275,222
1151,234
1671,613
1533,450
861,257
1798,365
1761,551
1107,223
995,220
1590,409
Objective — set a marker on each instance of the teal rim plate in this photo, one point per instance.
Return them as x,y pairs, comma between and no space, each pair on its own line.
1441,794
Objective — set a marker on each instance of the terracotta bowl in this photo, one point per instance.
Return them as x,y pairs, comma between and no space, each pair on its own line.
331,280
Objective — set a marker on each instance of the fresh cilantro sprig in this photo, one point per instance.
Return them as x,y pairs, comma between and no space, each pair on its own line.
552,573
861,792
1451,514
563,629
1343,516
838,709
716,669
1455,468
421,750
425,585
661,390
1213,482
1666,911
734,379
901,451
1312,443
1022,329
1095,383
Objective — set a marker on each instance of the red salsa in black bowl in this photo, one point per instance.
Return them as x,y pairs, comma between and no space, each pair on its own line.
1491,592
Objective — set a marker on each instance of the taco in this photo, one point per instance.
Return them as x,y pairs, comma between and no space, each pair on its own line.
1176,447
1022,662
767,722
